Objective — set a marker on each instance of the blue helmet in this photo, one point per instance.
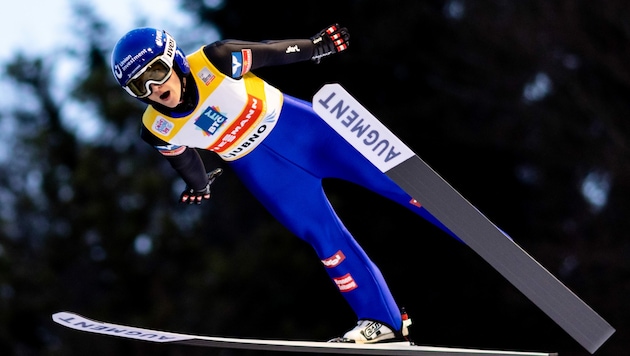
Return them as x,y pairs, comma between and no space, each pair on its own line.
145,48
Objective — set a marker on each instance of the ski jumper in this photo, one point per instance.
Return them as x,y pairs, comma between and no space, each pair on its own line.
281,150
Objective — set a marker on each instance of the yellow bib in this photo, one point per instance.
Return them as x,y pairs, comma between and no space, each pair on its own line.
231,118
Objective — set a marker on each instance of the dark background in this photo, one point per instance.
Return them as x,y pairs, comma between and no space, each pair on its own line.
516,104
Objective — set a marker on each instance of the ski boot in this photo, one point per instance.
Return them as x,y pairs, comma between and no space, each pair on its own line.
370,332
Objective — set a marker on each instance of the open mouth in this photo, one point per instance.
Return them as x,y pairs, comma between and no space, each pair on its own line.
166,95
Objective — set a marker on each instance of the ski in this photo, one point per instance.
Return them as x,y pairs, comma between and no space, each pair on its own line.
390,155
78,322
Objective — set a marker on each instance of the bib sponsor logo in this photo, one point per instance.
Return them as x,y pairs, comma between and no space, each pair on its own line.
206,76
334,260
248,143
346,283
242,123
158,38
210,121
162,126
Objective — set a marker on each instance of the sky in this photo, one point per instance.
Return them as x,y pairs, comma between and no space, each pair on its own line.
35,26
38,28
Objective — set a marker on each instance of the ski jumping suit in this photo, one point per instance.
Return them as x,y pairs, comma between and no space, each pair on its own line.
281,150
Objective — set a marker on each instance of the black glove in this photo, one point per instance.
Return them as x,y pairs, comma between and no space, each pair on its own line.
330,40
193,196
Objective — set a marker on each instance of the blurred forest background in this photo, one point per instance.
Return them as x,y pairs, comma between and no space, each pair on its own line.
521,105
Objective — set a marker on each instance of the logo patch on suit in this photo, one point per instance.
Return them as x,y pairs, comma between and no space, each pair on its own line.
210,121
162,126
241,62
334,260
206,76
345,283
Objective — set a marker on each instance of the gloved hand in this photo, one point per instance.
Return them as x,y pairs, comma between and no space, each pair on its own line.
330,40
192,196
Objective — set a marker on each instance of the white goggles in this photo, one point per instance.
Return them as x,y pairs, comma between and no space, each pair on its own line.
158,71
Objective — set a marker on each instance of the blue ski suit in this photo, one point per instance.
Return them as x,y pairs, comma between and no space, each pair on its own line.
281,150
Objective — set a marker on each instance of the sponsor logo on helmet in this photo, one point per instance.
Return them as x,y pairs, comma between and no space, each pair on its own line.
170,47
127,62
334,260
158,38
184,66
118,72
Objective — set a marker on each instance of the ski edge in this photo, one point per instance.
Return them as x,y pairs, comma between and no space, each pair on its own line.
81,323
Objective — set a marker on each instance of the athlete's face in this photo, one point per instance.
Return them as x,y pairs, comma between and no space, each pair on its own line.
168,94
